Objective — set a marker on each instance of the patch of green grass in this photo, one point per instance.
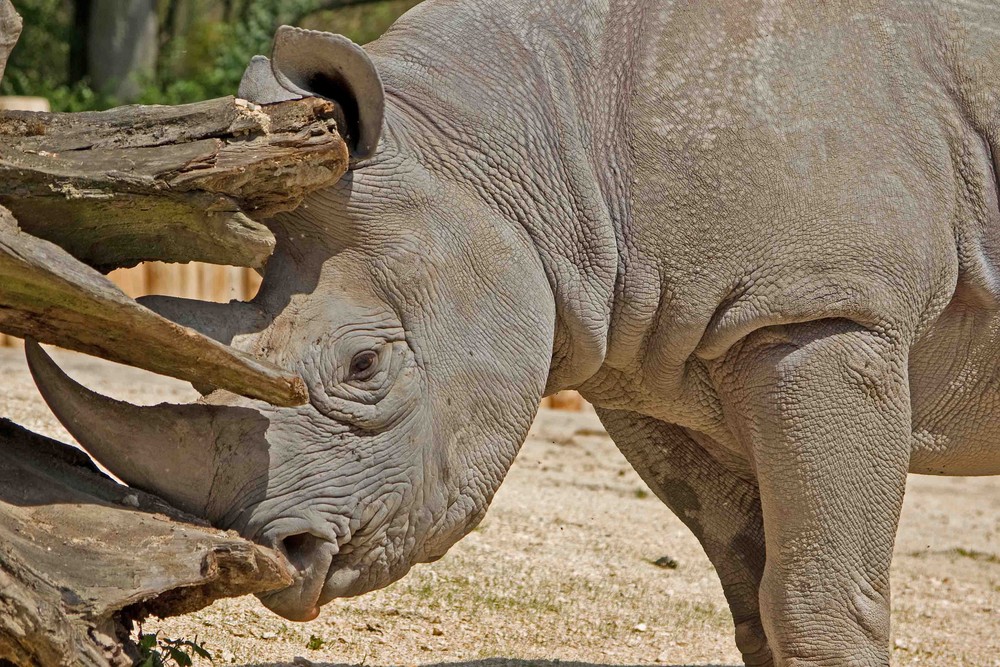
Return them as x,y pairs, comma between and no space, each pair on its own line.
641,494
981,556
527,603
704,613
665,562
424,590
315,643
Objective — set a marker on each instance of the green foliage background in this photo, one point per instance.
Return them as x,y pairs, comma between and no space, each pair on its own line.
199,58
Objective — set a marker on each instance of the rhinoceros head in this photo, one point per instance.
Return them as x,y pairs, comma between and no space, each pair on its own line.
423,327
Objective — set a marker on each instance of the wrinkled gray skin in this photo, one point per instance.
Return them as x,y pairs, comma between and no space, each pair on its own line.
762,238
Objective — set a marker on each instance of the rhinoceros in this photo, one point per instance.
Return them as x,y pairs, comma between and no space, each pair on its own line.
762,238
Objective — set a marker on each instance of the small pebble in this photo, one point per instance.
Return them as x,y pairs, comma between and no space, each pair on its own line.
437,632
641,627
130,500
269,635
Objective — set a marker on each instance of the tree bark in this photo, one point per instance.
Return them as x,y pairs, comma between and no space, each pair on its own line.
170,183
81,557
122,46
77,66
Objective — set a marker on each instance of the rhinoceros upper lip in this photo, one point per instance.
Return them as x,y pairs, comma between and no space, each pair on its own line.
301,601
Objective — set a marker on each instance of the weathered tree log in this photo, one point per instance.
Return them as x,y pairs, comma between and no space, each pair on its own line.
81,557
175,184
48,295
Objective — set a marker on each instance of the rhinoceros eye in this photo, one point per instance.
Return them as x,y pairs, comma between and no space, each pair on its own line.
363,365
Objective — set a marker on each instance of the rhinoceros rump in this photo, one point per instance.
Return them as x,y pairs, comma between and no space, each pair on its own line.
760,238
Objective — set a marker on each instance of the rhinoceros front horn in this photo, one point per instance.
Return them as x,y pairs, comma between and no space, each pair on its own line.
308,63
182,453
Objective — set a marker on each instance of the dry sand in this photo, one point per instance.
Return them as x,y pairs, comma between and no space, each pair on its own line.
561,570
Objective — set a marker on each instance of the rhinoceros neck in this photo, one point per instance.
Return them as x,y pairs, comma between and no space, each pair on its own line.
535,120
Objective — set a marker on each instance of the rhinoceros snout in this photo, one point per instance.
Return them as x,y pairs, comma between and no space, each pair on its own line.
311,557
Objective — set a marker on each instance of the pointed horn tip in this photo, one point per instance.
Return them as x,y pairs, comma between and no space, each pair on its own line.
52,381
39,362
44,370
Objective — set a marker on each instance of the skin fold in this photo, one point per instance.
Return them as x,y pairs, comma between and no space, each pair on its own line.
761,238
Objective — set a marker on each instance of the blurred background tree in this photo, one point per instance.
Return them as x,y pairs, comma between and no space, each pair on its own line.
93,54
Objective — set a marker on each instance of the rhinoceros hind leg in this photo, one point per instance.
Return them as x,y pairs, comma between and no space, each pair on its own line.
721,509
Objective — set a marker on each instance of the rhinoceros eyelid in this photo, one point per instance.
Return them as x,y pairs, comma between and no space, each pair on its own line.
373,380
363,366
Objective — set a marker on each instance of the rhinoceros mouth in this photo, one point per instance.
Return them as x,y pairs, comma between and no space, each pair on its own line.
325,567
331,572
325,579
302,600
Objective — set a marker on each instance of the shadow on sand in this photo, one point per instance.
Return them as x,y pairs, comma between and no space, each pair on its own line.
488,662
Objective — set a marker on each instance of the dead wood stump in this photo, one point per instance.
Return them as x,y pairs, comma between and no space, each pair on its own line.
82,556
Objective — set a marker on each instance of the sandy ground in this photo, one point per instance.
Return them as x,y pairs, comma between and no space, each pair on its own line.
562,568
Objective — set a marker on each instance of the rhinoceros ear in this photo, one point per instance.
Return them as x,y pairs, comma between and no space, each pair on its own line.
311,63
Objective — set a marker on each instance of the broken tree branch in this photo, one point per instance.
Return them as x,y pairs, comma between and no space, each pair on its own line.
48,295
175,184
81,557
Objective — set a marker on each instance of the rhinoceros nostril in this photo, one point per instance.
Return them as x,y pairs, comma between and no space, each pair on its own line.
311,556
301,549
